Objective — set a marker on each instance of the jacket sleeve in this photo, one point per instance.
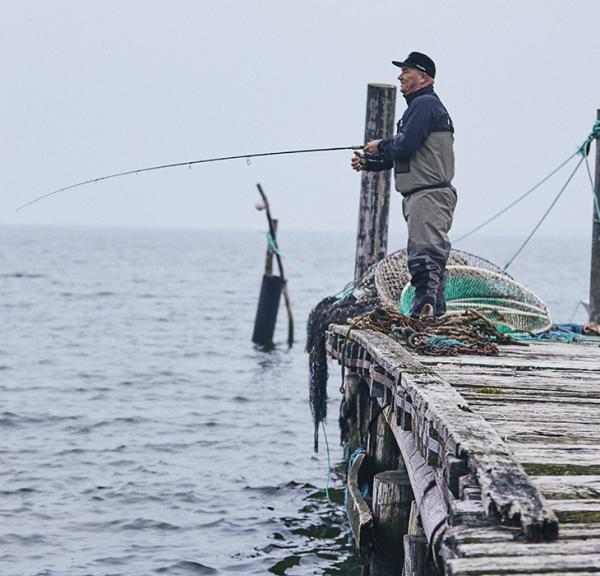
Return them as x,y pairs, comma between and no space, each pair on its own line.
417,125
377,163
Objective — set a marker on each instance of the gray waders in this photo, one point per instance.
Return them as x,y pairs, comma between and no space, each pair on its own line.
428,214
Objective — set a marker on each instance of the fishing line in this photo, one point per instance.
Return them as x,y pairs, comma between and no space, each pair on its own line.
189,164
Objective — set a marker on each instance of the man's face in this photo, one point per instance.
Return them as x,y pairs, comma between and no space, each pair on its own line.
411,79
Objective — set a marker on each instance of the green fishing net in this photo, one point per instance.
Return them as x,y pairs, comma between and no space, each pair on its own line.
472,283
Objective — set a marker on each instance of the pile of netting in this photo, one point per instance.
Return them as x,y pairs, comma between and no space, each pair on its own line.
484,305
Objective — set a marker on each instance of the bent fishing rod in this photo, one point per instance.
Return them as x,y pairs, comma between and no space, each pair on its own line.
179,164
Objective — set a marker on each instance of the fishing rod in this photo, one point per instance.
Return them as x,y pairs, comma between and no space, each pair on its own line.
189,164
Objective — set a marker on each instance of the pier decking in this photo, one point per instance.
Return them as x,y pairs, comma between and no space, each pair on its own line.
503,453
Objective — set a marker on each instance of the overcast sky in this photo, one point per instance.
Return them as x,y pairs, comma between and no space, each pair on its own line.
93,87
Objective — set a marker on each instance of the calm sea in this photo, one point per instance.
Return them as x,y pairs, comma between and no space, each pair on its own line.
143,433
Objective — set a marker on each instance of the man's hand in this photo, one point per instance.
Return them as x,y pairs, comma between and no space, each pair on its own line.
358,161
372,147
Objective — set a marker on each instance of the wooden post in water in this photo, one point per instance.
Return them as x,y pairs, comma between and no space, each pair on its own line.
392,497
372,234
595,271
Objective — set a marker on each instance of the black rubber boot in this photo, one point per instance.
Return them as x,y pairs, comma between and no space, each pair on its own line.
440,298
419,303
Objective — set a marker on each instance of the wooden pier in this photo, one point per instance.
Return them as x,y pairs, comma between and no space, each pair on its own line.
463,465
502,454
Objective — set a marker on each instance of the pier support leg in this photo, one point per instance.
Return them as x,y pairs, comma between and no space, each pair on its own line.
416,560
415,556
392,497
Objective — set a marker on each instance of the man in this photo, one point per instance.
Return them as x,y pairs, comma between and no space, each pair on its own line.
422,156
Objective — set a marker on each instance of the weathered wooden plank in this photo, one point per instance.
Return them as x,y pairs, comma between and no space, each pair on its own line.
581,428
532,374
529,362
568,432
457,535
538,412
522,400
583,455
357,510
568,487
561,469
530,382
552,563
573,510
564,547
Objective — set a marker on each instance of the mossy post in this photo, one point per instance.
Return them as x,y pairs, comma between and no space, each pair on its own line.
595,271
372,234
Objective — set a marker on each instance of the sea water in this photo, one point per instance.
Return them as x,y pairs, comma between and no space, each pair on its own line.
143,433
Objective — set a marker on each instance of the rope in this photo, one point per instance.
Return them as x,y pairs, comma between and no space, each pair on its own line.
466,333
535,229
515,202
594,194
328,465
582,150
273,248
295,264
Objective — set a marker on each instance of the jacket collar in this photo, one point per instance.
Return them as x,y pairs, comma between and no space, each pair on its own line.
410,97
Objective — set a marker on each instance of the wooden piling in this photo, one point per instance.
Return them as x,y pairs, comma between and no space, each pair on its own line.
392,497
595,265
372,234
415,556
416,549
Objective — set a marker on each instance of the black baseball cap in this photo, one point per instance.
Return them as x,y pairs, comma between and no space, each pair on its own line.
419,61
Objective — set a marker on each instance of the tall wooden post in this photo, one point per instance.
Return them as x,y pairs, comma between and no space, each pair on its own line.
595,272
372,235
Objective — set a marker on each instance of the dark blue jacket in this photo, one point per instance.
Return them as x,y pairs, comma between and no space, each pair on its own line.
424,117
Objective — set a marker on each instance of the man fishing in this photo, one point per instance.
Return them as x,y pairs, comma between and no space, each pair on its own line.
422,156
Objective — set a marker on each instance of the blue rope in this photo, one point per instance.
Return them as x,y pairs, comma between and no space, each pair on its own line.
442,342
273,248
